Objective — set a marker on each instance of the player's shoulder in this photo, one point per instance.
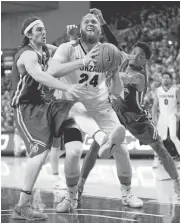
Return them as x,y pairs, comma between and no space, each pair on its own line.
28,55
175,87
51,48
124,55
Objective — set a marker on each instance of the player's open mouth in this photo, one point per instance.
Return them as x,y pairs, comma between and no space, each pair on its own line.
90,29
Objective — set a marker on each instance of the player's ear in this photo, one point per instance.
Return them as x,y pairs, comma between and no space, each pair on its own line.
29,35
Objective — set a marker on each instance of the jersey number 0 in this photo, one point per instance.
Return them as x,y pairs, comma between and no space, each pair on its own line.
166,101
93,81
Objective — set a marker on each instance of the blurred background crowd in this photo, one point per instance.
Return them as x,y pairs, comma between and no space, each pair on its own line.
154,24
7,117
157,25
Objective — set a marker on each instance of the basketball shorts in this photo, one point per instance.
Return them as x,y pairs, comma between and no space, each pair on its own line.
139,125
104,116
165,122
106,119
69,123
38,124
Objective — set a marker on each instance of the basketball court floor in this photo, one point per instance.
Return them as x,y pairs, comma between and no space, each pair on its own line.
101,202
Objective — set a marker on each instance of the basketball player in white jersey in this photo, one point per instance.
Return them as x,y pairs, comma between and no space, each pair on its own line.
167,100
95,97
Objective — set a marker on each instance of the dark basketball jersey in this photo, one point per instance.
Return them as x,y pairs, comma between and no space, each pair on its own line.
26,89
133,99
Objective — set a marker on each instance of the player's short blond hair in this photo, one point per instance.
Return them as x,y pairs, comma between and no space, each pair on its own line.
87,15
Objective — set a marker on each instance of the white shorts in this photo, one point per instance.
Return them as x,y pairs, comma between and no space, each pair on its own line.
104,115
106,119
166,122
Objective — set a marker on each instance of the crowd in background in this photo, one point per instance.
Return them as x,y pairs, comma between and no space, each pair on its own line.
150,25
7,117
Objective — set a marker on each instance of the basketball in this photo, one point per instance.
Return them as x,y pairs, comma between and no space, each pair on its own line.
109,57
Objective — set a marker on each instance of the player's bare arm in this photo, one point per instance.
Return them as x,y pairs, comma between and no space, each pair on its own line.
116,84
137,79
155,108
108,33
59,66
52,49
29,60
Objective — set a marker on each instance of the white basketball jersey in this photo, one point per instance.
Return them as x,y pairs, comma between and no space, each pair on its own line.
167,101
96,91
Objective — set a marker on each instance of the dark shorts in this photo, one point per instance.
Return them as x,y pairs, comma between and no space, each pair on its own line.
139,125
38,124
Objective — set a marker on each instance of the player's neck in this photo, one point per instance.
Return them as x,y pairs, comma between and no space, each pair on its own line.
87,46
37,48
166,88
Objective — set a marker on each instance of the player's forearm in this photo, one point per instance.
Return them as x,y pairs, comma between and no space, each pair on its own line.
154,113
51,82
58,69
111,37
116,86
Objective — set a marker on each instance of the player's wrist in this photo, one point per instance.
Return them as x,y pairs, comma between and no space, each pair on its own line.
80,63
68,88
103,22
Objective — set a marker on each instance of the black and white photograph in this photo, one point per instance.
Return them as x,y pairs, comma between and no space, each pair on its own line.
90,111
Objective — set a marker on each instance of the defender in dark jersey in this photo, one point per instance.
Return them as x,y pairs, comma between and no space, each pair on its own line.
129,108
39,119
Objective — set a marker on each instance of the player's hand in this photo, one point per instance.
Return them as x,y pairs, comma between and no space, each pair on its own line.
91,54
76,89
98,15
72,31
177,114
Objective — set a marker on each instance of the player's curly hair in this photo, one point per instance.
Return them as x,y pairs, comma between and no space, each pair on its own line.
26,23
145,47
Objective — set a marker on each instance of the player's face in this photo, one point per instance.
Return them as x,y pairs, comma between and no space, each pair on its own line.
166,80
137,57
38,35
90,29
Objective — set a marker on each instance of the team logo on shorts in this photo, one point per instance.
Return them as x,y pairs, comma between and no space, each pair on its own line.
34,148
